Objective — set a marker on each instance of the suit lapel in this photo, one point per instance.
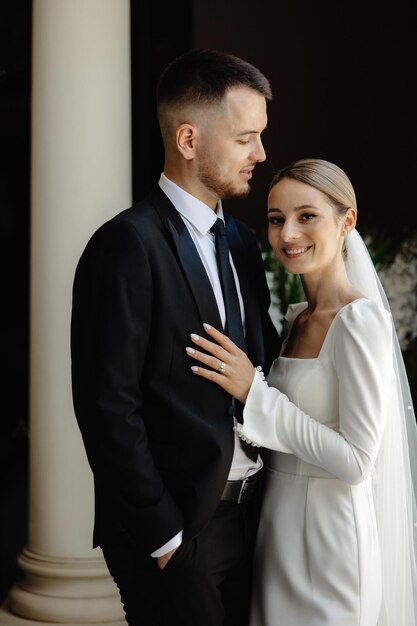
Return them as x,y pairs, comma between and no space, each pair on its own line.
248,290
189,258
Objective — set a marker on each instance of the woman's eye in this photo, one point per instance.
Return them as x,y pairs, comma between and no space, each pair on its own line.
306,217
276,221
243,142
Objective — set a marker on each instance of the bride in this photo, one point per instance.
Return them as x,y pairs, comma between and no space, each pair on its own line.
337,536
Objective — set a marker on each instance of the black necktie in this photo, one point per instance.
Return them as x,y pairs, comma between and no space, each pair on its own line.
233,326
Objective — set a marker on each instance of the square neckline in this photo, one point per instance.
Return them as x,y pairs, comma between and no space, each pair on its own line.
315,358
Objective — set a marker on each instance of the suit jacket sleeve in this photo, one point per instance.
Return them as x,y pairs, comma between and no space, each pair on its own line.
110,329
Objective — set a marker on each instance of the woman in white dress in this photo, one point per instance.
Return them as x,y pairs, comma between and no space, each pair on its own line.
337,536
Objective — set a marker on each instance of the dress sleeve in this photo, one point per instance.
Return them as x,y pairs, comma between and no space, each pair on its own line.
363,362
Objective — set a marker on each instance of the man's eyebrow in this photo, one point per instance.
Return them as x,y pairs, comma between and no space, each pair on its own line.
251,132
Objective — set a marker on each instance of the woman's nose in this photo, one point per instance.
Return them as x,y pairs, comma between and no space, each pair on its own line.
290,231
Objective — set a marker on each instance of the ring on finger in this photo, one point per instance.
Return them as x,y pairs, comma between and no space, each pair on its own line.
222,367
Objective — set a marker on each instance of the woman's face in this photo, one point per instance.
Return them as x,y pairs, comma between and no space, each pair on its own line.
304,230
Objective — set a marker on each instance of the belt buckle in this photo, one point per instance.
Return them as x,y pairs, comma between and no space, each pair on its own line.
242,490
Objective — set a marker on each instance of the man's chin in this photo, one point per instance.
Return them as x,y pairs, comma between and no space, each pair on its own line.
238,194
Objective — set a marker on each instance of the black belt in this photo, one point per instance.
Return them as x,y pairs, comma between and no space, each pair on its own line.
240,490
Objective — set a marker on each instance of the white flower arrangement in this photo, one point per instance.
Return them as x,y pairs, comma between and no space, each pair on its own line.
399,280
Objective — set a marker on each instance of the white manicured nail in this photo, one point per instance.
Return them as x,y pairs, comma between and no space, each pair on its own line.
207,326
195,337
190,350
194,368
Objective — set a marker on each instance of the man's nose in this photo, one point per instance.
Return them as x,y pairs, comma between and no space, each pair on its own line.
258,154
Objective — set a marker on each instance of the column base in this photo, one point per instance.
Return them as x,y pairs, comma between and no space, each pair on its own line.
63,591
9,619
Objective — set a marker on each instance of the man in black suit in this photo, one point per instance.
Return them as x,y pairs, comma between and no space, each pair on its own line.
175,497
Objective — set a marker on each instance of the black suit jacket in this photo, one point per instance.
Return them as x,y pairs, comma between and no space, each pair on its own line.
159,439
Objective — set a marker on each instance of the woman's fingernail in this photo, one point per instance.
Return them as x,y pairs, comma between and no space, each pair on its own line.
190,350
207,326
195,337
194,368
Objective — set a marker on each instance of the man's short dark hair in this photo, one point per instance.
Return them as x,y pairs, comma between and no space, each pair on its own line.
204,76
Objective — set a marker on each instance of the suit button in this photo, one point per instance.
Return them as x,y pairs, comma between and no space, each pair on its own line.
231,410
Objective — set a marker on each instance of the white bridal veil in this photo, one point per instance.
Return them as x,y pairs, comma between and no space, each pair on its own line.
395,473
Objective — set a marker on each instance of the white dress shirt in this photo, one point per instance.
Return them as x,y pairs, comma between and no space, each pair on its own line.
199,219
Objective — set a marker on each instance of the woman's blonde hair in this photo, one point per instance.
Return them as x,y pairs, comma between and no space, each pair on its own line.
325,176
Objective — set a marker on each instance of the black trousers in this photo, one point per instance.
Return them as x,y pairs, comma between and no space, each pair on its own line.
207,582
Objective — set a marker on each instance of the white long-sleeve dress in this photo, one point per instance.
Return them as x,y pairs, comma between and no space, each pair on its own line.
317,559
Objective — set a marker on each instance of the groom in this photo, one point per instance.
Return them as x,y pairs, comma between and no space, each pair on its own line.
175,505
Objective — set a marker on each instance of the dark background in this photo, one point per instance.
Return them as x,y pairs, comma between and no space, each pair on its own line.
342,76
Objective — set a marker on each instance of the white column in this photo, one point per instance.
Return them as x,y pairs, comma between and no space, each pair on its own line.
80,176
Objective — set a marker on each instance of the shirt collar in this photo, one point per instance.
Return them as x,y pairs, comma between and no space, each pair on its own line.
200,215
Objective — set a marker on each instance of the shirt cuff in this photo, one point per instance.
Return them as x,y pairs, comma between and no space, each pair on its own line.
168,546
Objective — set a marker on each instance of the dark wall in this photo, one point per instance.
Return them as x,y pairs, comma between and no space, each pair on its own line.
155,42
15,48
342,75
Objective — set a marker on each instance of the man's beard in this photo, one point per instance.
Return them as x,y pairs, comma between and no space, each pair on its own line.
223,189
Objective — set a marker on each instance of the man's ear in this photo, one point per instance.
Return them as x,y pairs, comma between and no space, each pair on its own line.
186,135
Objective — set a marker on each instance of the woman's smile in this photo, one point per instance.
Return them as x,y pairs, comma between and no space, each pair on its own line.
295,253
